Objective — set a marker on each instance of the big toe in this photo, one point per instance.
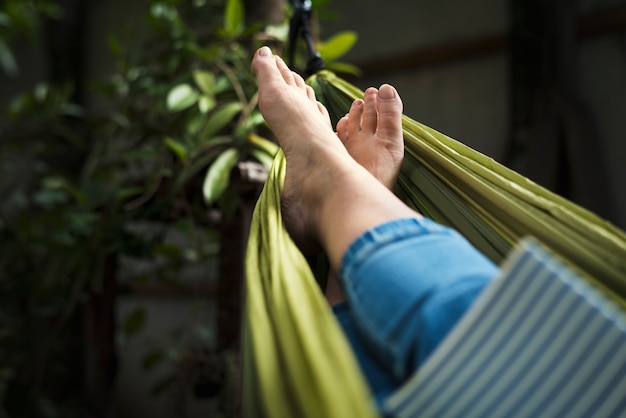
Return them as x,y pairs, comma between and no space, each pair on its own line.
389,112
267,69
263,61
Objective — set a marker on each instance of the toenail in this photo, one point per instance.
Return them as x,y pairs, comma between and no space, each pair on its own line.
265,51
387,92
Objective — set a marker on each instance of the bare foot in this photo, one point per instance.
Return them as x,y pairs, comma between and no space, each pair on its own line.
328,198
372,134
302,127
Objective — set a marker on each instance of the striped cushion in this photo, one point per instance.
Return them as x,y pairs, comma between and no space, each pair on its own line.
540,341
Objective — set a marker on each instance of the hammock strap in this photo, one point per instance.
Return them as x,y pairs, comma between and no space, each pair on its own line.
300,26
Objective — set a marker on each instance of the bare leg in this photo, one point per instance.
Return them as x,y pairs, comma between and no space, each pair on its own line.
372,134
332,198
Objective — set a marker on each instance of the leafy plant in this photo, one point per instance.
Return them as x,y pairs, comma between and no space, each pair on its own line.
21,18
334,48
86,196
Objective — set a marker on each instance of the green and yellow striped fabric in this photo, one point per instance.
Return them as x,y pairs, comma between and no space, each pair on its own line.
297,362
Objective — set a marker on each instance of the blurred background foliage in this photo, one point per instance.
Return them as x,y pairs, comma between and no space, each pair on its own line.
180,115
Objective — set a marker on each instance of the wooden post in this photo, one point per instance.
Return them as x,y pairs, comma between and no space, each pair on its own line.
66,50
100,351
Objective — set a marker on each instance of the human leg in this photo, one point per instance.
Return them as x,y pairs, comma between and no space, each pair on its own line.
387,301
408,279
372,133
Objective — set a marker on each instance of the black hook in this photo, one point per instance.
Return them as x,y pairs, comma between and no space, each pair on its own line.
300,25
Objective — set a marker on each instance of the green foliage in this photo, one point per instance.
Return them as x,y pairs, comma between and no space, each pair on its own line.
233,18
135,321
77,187
181,97
217,177
21,18
334,48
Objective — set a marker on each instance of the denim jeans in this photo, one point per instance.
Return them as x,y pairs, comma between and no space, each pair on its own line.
407,283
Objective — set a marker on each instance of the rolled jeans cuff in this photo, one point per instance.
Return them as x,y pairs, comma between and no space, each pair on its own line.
407,283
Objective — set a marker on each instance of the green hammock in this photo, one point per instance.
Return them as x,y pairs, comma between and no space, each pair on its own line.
296,360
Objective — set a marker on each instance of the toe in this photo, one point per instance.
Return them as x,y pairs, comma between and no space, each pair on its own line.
298,80
265,68
342,129
370,112
389,112
288,75
310,93
355,116
325,113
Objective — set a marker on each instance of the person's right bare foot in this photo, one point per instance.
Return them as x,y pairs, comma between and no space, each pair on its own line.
372,133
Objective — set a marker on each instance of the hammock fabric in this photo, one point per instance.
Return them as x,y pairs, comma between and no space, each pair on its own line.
296,360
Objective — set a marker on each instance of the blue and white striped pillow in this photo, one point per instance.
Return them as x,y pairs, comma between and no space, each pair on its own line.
539,341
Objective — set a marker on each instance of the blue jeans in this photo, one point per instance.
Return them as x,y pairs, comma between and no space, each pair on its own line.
407,283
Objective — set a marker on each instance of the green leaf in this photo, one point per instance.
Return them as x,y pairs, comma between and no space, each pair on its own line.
41,92
206,103
342,67
128,192
162,10
163,384
280,32
197,164
5,20
222,117
337,46
181,97
268,147
262,157
218,175
196,123
255,119
177,148
120,119
61,183
233,17
115,46
222,84
135,321
7,60
204,332
208,54
205,82
152,359
51,198
82,222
